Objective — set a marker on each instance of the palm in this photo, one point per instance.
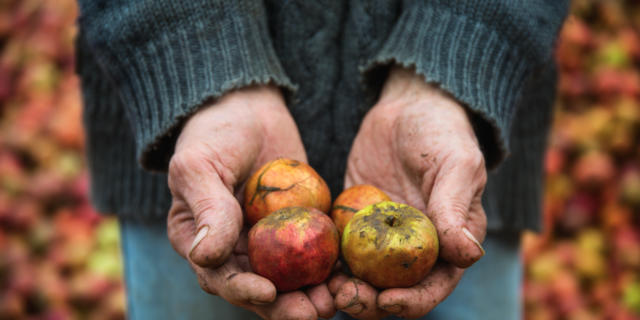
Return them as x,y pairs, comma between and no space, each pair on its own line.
218,148
419,147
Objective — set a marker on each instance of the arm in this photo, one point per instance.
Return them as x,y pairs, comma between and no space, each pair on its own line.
197,80
481,52
167,58
444,116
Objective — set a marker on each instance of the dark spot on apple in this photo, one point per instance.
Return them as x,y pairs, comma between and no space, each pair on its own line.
424,154
362,234
345,208
294,163
407,236
408,264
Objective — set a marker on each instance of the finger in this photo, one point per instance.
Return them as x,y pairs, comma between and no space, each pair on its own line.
418,300
217,215
180,227
450,198
292,305
477,223
322,300
358,299
253,292
337,280
231,283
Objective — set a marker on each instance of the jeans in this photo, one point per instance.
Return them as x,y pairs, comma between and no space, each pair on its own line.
161,285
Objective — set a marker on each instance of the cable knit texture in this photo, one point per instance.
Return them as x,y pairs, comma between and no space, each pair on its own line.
147,65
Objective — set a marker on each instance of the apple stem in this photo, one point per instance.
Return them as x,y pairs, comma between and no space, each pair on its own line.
390,220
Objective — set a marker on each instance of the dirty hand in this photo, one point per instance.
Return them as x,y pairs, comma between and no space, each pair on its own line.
218,148
418,146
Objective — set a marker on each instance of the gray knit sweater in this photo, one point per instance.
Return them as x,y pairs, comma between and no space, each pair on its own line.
147,65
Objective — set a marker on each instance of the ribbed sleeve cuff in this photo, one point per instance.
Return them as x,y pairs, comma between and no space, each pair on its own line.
514,193
118,185
164,80
467,59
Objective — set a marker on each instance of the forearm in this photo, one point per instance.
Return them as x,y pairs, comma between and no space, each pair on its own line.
168,58
481,52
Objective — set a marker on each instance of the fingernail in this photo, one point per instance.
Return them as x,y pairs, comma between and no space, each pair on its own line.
258,303
201,234
468,234
393,308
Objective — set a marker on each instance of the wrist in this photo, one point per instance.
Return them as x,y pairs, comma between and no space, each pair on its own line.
405,85
406,94
250,110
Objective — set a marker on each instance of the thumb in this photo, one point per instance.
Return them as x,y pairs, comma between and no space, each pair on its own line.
204,201
454,208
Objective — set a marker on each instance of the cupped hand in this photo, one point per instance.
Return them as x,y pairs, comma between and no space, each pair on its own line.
418,145
218,148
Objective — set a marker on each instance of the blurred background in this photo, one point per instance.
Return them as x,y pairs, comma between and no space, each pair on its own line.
59,259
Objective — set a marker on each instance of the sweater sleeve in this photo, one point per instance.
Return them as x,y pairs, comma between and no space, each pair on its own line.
482,52
166,58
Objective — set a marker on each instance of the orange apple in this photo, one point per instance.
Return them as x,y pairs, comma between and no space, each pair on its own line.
284,183
353,200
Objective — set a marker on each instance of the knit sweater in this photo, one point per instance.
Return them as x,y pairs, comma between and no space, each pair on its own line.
147,65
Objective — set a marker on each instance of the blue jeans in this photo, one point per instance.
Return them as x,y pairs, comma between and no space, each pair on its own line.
161,285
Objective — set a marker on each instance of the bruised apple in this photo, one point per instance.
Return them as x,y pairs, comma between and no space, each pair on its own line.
390,245
353,200
294,247
284,183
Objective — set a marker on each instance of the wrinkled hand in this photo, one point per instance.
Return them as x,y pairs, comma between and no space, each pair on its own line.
418,146
218,148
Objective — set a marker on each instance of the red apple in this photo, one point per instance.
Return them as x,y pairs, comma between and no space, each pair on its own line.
294,247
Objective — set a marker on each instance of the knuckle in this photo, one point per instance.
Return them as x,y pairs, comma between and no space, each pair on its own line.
182,161
201,206
193,161
471,160
180,166
458,207
226,174
482,178
204,284
451,207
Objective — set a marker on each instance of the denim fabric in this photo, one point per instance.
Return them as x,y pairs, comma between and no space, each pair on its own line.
160,284
489,290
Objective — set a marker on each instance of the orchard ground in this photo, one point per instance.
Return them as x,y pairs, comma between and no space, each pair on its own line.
59,259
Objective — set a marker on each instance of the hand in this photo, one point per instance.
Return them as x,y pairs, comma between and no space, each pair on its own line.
218,148
418,146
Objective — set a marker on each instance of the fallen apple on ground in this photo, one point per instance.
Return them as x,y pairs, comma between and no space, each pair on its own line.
390,245
294,247
284,183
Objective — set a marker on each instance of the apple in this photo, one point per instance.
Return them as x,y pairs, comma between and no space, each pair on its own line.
284,183
390,245
294,247
353,200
